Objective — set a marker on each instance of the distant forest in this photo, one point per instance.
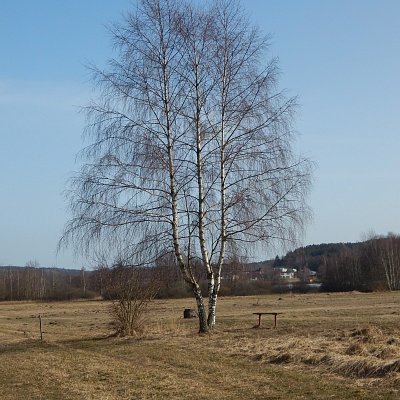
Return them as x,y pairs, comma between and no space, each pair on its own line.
365,266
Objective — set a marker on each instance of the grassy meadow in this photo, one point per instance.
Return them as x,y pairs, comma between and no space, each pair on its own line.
325,346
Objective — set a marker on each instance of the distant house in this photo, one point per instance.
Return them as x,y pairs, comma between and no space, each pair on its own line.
254,275
307,275
285,273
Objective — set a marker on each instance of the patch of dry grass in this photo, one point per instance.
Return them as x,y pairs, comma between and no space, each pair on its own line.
340,346
359,353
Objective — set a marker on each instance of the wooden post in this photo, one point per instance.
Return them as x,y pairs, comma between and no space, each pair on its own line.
40,327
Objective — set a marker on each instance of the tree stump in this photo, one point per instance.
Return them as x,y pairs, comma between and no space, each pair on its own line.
189,313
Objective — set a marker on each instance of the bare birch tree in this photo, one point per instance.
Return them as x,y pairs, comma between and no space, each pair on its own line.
384,252
191,145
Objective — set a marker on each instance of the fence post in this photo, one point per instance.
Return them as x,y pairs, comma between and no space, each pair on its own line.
40,327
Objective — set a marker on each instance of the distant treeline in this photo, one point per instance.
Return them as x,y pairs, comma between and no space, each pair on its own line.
364,266
35,283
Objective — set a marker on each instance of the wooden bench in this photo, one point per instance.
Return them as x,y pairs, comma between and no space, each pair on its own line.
275,314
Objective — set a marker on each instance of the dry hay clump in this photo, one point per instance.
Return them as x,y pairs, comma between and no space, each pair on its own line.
370,341
365,352
367,334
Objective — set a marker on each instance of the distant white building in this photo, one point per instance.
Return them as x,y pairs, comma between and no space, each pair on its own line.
285,273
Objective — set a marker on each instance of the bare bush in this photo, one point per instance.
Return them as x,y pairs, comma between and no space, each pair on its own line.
131,289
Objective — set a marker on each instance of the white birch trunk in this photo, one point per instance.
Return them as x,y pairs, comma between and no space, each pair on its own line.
201,310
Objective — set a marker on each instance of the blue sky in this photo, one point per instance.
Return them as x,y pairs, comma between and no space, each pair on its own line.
341,57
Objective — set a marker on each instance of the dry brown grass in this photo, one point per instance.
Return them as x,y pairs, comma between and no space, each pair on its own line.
340,346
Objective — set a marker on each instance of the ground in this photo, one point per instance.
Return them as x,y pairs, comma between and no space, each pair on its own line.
325,346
